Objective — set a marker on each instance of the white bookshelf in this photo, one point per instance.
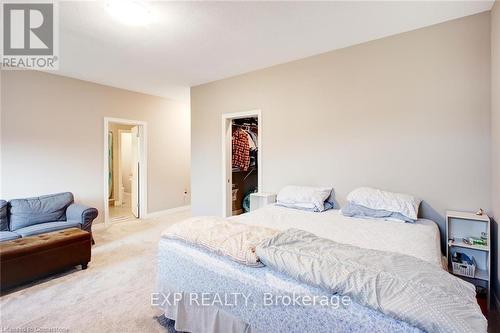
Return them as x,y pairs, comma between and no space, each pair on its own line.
461,225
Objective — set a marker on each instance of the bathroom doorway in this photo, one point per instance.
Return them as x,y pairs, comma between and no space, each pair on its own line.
125,170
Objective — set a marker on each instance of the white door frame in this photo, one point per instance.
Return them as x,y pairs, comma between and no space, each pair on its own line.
226,145
143,162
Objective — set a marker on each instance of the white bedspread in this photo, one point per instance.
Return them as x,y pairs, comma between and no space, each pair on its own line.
219,235
420,239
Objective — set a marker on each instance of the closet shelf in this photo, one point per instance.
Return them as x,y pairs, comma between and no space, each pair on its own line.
249,169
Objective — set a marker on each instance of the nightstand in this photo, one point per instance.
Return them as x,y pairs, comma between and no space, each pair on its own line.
261,199
460,225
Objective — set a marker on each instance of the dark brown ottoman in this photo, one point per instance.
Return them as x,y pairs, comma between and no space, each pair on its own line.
26,259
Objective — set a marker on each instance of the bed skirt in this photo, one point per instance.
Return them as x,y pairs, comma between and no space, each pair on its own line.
203,319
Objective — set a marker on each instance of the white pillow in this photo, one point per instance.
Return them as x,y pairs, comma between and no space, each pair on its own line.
404,204
306,196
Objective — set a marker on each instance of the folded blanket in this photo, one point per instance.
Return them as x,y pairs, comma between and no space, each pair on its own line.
236,241
397,285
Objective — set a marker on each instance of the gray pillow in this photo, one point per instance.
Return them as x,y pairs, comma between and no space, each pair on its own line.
4,216
354,210
47,208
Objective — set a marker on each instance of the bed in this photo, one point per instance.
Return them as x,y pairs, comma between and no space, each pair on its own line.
190,270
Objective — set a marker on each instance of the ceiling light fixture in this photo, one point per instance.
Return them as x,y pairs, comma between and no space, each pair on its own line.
129,12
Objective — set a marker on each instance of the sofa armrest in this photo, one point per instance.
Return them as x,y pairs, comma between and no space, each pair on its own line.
83,214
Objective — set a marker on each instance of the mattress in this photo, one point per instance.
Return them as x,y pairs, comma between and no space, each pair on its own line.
192,270
420,239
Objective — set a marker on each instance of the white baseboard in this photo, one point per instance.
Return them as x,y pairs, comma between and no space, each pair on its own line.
168,211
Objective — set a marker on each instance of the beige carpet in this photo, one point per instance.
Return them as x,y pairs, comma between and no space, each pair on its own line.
112,295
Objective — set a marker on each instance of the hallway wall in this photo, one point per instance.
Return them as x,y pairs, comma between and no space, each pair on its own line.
52,139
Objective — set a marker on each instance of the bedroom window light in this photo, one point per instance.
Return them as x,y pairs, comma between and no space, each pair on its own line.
129,12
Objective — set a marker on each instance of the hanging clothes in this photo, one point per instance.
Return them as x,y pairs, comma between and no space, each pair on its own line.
254,138
251,142
241,150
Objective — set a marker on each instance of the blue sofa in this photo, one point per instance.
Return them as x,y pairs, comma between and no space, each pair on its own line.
32,216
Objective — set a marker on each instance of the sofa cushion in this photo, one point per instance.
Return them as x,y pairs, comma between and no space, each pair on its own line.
8,235
31,211
47,227
4,216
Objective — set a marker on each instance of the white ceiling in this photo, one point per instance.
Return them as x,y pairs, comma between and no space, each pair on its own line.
191,43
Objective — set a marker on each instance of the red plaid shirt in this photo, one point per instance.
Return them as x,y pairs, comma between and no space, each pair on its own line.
241,150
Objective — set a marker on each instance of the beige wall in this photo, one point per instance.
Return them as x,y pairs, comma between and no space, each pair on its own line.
408,113
52,138
115,128
495,133
126,168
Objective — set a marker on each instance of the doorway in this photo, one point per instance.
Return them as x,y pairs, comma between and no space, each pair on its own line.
124,169
242,161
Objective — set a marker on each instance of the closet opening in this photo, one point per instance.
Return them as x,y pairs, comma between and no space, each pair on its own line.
242,149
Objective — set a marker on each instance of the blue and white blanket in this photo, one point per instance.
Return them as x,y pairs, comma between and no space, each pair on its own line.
188,269
397,285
